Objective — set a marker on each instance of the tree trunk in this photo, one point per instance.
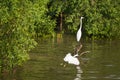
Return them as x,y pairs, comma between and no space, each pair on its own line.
61,16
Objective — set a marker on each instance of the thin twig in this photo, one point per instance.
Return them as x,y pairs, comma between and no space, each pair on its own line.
84,53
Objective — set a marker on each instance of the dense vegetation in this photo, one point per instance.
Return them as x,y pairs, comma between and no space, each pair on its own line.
101,17
21,21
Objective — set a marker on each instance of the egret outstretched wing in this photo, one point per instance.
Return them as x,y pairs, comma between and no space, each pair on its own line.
71,59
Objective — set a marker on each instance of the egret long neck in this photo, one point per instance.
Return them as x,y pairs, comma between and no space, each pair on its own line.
80,24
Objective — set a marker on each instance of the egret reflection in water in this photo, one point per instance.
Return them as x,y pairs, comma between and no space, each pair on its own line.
79,72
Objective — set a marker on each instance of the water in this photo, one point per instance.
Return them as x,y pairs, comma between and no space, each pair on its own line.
102,63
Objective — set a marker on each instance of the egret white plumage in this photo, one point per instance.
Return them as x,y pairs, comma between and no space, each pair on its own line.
79,33
71,59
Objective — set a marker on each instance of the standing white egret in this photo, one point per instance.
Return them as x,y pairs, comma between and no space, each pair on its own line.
79,33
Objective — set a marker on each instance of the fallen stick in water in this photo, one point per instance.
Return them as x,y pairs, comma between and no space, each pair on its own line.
84,53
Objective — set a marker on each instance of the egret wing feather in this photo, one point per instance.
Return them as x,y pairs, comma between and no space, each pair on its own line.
71,59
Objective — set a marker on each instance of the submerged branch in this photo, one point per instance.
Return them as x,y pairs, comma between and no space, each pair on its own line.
84,52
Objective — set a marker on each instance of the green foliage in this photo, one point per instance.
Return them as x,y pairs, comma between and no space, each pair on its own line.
16,32
22,20
43,23
69,9
101,17
44,28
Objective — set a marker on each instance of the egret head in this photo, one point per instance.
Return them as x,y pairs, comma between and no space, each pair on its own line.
82,17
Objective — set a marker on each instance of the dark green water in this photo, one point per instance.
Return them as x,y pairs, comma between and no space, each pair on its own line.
102,63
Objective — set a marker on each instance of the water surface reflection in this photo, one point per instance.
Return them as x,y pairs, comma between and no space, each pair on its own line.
101,64
79,73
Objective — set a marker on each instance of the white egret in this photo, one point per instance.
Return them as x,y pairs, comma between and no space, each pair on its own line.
71,59
79,33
